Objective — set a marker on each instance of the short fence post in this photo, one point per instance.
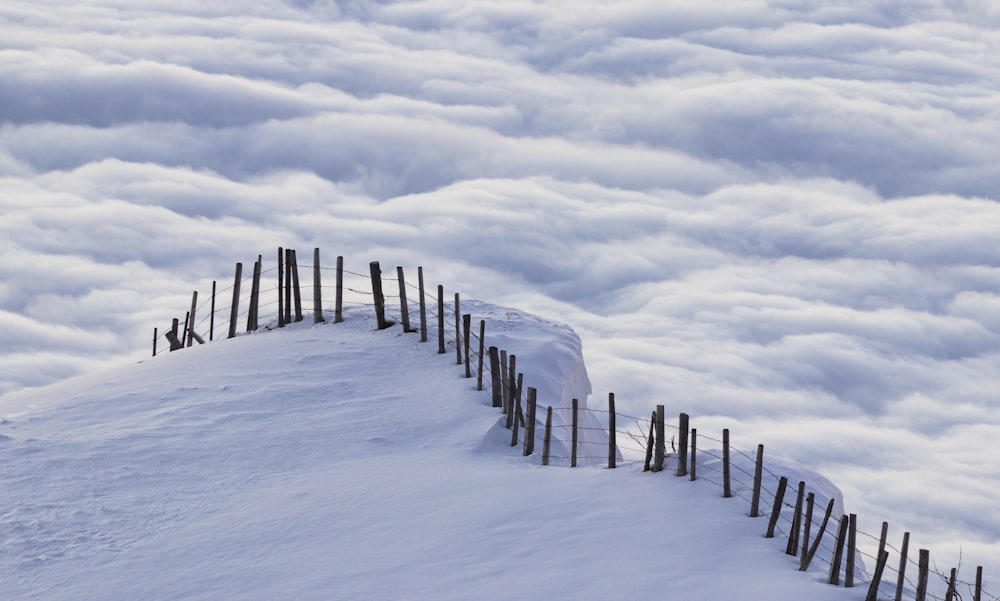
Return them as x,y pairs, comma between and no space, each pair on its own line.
440,319
317,289
883,558
376,273
281,287
458,331
509,370
838,551
950,594
504,392
467,335
808,557
901,579
234,308
852,548
156,334
650,443
288,285
518,417
810,504
495,376
423,305
924,567
792,548
779,497
338,315
194,308
727,490
694,453
547,441
529,426
211,317
404,309
682,442
758,474
883,538
612,445
171,336
660,450
482,343
254,291
295,286
576,405
187,325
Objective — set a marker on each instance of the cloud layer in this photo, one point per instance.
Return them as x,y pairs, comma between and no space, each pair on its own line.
779,217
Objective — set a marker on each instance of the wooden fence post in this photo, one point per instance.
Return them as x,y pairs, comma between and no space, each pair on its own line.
234,308
810,504
883,558
727,490
458,331
281,287
295,286
467,335
254,295
423,305
682,442
883,538
529,428
171,336
808,557
404,309
923,567
779,497
338,315
576,406
901,579
612,445
518,417
547,441
211,317
758,474
838,551
504,391
660,450
509,371
187,326
317,289
950,594
650,443
792,548
376,273
852,548
495,376
482,343
440,319
288,285
194,308
977,594
156,334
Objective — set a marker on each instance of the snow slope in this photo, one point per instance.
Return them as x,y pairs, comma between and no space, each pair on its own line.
334,461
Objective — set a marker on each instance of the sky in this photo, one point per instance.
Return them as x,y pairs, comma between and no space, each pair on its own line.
779,217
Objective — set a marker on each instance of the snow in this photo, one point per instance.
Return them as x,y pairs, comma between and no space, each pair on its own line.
335,461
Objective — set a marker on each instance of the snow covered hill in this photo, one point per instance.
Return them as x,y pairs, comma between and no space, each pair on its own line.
334,461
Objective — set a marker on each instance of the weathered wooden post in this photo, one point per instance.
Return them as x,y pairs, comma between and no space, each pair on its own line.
977,594
758,475
682,442
191,314
901,579
423,305
852,548
808,557
504,389
339,310
440,319
810,505
404,310
288,285
727,490
281,285
495,376
650,443
660,449
234,308
511,369
883,538
883,558
694,451
576,406
482,343
923,567
458,331
211,317
295,286
529,427
547,441
612,439
376,273
317,289
950,594
792,548
171,335
187,324
838,551
517,415
467,334
776,508
254,295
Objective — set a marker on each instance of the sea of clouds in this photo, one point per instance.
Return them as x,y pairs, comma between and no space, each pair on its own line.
777,216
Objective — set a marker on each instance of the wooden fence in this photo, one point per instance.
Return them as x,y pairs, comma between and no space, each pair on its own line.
802,516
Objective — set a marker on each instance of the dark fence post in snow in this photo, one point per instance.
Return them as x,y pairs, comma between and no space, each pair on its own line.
808,557
547,441
482,343
376,273
288,285
660,452
317,289
404,309
504,392
281,287
211,317
194,308
440,319
529,427
254,291
423,304
612,445
338,315
758,474
838,551
295,286
682,443
495,376
235,306
694,452
650,443
171,336
458,331
156,334
727,490
977,594
576,407
518,417
950,595
792,548
776,508
883,558
807,527
924,567
466,332
852,548
187,324
510,368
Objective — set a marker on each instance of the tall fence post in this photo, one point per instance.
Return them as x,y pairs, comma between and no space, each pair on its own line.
338,315
495,376
504,389
281,287
758,474
903,552
288,285
404,310
423,305
295,286
482,343
923,567
547,441
234,308
518,417
376,273
254,292
194,308
682,442
977,594
529,424
211,317
660,450
187,325
467,335
852,548
612,442
727,490
509,371
317,289
440,319
576,406
458,331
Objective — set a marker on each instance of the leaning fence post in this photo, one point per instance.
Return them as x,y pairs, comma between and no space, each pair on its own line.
156,334
404,309
838,551
792,548
458,331
423,305
612,446
510,368
776,508
529,426
194,308
727,490
211,317
339,311
281,287
901,580
376,273
650,443
187,325
495,376
234,308
317,289
576,406
295,286
482,343
883,558
924,567
810,503
440,319
171,336
808,557
254,295
547,441
758,474
682,442
466,332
